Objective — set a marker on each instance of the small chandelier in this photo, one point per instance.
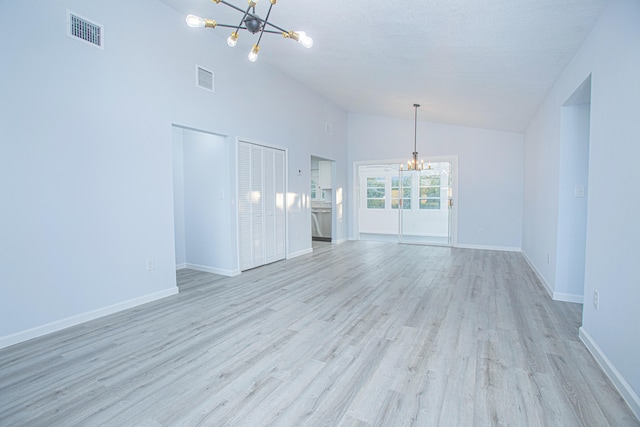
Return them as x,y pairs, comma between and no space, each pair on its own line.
414,164
253,24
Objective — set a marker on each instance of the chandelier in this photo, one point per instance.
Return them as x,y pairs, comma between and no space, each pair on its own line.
253,24
414,164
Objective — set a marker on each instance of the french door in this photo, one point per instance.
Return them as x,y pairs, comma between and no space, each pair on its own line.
425,208
414,207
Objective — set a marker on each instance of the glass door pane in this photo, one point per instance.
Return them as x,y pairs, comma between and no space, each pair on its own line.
425,217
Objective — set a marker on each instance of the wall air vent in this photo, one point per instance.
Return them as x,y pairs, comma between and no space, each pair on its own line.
84,30
204,78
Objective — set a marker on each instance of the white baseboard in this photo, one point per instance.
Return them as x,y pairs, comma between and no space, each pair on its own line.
340,241
58,325
207,269
375,237
623,387
299,253
488,248
558,296
181,266
537,273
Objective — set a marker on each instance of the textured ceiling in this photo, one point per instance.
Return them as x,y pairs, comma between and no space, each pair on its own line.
482,64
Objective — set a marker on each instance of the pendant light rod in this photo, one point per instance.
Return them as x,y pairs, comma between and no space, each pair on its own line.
415,133
413,163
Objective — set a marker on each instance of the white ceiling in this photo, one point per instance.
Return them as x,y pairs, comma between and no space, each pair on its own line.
486,64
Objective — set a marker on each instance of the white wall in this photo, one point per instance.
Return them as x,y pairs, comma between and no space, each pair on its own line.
612,57
490,171
86,166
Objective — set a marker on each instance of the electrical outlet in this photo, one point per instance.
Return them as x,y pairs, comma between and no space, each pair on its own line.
596,300
151,264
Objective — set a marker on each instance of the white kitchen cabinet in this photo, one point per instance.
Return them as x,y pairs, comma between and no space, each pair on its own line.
324,174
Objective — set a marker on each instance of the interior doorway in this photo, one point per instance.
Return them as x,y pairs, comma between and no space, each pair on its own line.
322,200
573,195
413,207
203,221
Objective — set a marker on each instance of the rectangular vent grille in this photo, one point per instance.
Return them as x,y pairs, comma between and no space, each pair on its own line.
82,29
204,78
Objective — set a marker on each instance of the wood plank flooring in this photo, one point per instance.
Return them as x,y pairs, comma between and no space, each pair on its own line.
359,334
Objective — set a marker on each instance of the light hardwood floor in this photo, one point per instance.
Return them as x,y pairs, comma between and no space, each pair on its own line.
358,334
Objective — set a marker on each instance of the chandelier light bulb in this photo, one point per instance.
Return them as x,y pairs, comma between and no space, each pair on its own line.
233,39
304,39
253,55
194,21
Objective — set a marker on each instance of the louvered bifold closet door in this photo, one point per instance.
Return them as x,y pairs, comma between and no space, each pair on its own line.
257,205
244,206
261,205
280,220
269,206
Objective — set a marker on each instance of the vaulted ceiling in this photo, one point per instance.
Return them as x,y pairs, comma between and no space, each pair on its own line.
482,64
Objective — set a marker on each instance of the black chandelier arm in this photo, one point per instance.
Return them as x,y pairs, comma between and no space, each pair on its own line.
238,9
266,19
244,28
230,26
243,16
254,16
280,29
245,13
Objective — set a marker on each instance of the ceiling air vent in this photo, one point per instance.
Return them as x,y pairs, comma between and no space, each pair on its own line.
84,30
204,78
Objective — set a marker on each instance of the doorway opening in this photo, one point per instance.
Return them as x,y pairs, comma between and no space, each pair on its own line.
573,195
202,201
411,207
322,200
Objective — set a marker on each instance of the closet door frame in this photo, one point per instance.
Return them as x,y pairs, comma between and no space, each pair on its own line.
285,195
